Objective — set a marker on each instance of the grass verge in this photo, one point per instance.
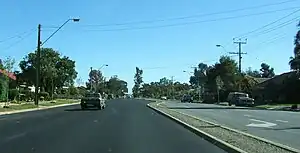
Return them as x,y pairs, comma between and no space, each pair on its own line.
41,104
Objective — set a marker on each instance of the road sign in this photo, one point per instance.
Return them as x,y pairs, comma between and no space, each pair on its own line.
262,124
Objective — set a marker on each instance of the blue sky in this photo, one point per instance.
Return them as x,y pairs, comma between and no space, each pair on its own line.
160,51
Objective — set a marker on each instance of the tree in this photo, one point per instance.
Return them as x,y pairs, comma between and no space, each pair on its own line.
138,80
55,70
117,86
253,73
96,81
295,61
8,65
199,77
267,71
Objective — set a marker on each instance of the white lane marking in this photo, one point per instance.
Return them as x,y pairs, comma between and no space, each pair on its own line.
263,124
2,118
246,115
16,136
282,121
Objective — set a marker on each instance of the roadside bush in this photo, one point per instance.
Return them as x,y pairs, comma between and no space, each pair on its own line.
44,95
13,94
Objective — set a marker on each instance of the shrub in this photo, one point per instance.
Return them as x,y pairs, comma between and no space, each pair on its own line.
44,95
13,93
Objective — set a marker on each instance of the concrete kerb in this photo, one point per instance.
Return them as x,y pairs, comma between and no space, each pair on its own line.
221,144
36,109
285,147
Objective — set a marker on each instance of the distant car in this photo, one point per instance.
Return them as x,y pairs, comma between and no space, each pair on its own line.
187,98
93,100
164,98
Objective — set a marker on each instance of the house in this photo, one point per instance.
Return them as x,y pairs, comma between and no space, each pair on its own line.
278,89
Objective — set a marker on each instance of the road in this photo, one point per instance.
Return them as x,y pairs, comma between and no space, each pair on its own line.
278,126
125,126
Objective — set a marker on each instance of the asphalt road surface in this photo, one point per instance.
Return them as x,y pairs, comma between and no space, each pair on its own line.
278,126
125,126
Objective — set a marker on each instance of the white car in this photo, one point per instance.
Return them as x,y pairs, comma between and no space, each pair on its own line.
93,100
164,98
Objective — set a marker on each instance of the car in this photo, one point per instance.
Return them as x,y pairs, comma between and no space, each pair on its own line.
240,99
92,100
245,101
163,98
187,98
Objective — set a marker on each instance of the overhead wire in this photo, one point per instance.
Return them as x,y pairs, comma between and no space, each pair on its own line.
193,22
192,16
19,41
19,35
264,26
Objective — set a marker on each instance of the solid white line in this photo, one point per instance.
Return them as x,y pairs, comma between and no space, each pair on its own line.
282,121
246,115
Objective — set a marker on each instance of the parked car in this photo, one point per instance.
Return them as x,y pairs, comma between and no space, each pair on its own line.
240,99
93,100
163,98
187,98
245,101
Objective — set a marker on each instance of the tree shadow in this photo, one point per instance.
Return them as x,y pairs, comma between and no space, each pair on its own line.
81,110
286,128
213,108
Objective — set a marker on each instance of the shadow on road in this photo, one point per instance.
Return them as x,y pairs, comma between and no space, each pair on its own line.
212,108
287,128
79,109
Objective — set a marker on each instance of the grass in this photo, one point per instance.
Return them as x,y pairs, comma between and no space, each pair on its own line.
18,107
31,105
58,102
275,105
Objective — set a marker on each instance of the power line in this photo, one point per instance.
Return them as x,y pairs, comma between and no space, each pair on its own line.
17,35
253,31
17,42
193,16
278,26
194,22
174,66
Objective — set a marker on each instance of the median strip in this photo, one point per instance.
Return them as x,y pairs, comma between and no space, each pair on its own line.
228,139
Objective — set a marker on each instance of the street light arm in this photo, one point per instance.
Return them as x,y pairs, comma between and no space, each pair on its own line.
222,47
103,66
75,20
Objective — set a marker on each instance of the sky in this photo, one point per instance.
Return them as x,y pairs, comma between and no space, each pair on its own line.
164,38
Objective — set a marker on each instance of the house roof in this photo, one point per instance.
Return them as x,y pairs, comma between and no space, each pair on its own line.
277,79
257,80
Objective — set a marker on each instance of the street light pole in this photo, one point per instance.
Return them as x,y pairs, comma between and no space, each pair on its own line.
38,57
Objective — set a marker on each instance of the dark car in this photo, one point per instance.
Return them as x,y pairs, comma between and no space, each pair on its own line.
187,98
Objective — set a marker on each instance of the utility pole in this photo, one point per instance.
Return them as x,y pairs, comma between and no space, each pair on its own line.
173,93
38,67
240,42
92,83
